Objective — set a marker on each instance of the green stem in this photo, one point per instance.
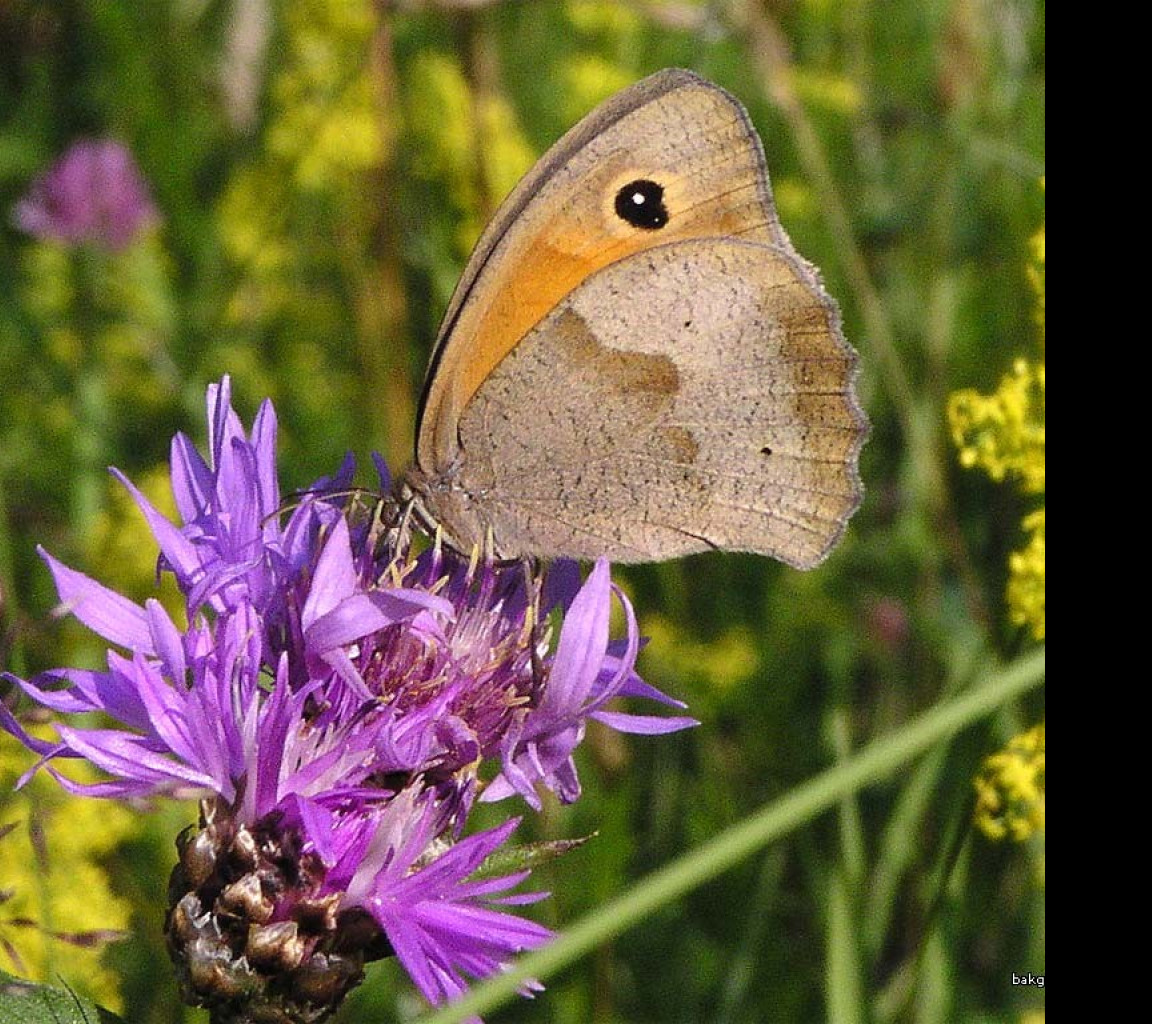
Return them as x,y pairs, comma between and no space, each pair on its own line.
800,805
91,431
11,644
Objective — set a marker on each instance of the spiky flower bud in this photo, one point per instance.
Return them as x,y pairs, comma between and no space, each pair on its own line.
252,933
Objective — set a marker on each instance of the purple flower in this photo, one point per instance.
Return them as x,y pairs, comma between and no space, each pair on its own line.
94,193
586,672
336,702
437,923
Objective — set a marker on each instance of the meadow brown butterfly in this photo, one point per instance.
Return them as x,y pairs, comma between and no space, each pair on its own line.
636,363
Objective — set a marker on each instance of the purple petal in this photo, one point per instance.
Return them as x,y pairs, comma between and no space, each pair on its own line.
634,686
561,584
166,641
645,725
179,552
335,576
220,414
120,789
361,614
264,444
102,610
191,479
383,473
583,641
69,701
13,728
125,755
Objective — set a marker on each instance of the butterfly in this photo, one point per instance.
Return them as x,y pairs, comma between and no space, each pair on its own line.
636,362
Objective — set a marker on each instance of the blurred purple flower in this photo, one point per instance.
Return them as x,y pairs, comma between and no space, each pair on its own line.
333,699
94,193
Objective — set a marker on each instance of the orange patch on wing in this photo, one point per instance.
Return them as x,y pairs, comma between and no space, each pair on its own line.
524,291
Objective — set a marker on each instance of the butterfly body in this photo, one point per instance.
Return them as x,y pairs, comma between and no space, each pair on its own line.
637,363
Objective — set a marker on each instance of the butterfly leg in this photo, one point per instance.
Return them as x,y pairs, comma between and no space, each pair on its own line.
532,589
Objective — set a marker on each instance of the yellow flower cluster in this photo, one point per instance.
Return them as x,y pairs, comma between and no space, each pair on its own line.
58,836
1026,585
326,122
1004,434
1010,789
445,120
723,663
325,133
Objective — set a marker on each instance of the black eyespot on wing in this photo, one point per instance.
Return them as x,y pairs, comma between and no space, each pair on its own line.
641,204
766,450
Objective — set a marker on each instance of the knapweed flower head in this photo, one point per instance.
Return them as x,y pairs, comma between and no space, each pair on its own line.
338,703
93,194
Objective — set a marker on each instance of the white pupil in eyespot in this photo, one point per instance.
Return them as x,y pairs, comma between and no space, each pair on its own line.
640,204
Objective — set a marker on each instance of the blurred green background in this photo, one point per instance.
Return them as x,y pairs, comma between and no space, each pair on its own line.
321,168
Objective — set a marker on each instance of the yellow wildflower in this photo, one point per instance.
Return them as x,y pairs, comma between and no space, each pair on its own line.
1004,435
1026,586
1010,788
58,836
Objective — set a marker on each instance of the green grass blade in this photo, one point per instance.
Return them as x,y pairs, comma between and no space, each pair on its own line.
777,819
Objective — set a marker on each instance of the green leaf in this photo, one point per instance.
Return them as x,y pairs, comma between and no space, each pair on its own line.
527,856
843,970
25,1002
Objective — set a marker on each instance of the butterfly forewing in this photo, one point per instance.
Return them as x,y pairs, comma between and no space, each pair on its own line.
636,362
686,136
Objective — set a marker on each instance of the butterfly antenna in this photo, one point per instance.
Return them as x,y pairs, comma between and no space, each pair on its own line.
296,498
